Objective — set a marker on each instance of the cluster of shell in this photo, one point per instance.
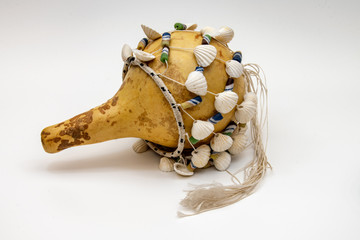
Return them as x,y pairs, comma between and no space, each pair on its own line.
232,140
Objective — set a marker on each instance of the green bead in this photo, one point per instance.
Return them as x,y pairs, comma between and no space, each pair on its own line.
193,140
227,133
179,26
164,57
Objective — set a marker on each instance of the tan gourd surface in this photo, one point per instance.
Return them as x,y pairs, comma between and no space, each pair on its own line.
139,109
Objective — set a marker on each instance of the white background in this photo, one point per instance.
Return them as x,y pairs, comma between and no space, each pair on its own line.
60,58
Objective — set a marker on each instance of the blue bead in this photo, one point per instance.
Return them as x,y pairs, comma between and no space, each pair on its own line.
166,36
229,85
145,40
237,56
196,100
230,128
216,118
199,69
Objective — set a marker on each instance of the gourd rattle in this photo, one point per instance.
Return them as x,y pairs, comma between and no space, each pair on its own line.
189,98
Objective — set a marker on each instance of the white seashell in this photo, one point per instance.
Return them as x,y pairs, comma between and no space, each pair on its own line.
150,33
205,54
201,129
226,34
143,56
251,96
239,144
196,83
191,26
226,101
166,164
201,156
239,130
182,170
213,32
222,161
126,52
242,130
207,29
234,69
245,111
221,142
140,146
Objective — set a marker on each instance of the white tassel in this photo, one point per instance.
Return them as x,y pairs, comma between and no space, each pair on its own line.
212,196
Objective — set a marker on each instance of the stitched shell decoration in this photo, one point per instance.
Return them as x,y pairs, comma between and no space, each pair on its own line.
234,69
191,26
126,52
166,164
247,109
221,160
239,144
205,54
226,101
201,156
150,33
226,34
196,82
201,129
182,170
143,56
221,142
213,32
140,146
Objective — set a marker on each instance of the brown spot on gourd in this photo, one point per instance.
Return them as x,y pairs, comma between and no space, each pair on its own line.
75,128
129,80
59,125
113,123
66,144
130,111
45,134
114,101
104,107
144,120
220,53
162,122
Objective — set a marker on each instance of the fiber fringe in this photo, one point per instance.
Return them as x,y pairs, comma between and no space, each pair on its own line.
202,198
